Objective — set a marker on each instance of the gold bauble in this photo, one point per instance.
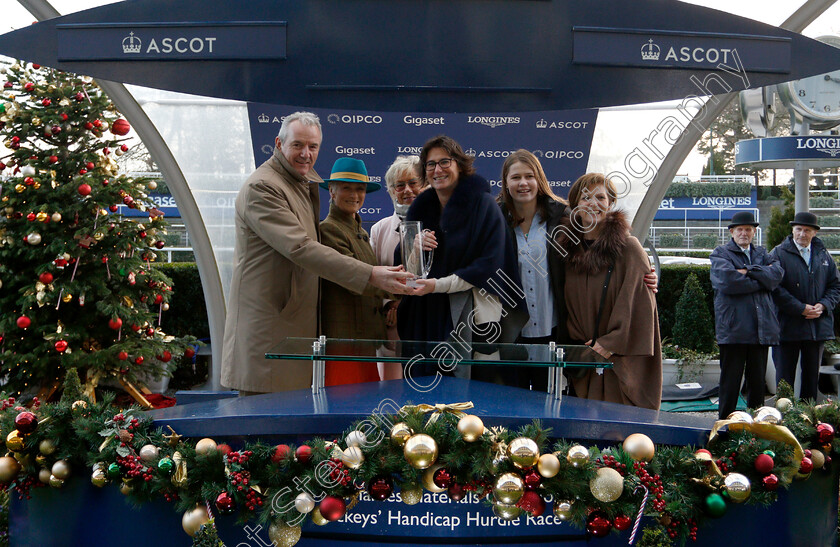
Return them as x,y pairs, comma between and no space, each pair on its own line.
98,236
563,509
46,447
194,519
411,496
42,216
19,188
165,306
817,458
151,185
149,453
356,438
79,405
784,404
61,469
36,122
9,468
607,485
67,297
41,460
740,416
205,446
737,486
400,433
768,415
352,457
14,441
548,465
36,185
55,482
506,512
523,452
56,217
428,479
420,451
471,428
639,447
283,535
44,476
508,488
578,455
318,518
98,478
24,459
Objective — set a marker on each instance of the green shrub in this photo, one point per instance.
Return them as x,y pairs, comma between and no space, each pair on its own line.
821,202
671,283
708,189
769,192
705,241
693,326
671,240
829,220
831,241
187,311
691,254
779,227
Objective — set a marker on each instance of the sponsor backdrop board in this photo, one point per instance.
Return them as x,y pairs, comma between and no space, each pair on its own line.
705,207
784,152
560,139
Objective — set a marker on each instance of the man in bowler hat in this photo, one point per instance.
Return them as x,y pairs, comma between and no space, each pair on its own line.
806,297
743,276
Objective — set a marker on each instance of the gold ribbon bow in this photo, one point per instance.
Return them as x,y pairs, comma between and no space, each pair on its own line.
438,410
771,432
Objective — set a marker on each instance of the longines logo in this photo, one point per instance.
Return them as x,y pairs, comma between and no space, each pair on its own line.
686,54
493,121
826,145
409,150
354,118
559,154
132,44
542,124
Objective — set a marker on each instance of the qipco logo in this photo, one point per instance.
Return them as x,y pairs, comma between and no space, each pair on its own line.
355,118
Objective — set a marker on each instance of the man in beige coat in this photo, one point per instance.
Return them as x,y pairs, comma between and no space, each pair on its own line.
277,261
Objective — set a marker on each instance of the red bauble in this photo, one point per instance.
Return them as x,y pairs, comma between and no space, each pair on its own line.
120,127
532,480
189,353
64,117
115,323
381,488
150,332
598,524
89,165
84,189
28,86
139,360
80,96
113,208
26,422
771,482
622,522
124,147
31,217
141,233
224,449
23,322
122,356
160,244
46,102
158,299
225,503
763,464
136,328
7,85
806,466
532,503
456,492
55,130
303,453
53,159
97,123
88,125
46,278
442,478
106,182
83,171
332,508
825,433
165,356
281,452
60,346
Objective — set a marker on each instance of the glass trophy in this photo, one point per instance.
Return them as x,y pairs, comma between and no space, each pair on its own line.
416,260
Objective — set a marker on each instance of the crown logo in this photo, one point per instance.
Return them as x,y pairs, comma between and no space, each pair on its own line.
262,118
131,44
650,51
541,124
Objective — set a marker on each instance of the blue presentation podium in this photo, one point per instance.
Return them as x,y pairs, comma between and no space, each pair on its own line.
81,514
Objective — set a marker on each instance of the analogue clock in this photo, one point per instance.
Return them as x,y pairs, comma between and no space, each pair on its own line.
816,99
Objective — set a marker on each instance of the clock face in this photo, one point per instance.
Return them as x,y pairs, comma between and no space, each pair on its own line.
818,97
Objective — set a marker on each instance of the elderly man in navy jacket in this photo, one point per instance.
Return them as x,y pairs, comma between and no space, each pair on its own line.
806,298
743,276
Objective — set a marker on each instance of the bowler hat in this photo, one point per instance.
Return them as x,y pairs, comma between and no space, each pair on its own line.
803,218
742,218
350,170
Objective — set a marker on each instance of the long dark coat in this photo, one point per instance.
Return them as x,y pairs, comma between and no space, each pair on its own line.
803,285
744,309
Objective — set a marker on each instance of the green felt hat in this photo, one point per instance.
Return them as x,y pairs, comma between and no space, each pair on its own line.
350,170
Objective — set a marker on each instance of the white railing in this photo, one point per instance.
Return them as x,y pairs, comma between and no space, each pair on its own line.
715,178
721,232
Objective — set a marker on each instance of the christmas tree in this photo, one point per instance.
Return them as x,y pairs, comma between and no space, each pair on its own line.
77,288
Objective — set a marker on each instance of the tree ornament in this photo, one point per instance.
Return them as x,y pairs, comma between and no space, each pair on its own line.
33,238
84,189
46,278
303,452
304,503
428,479
149,453
205,446
768,415
151,185
165,357
9,469
332,508
67,297
784,404
598,524
639,447
771,482
353,457
114,471
23,322
471,428
506,512
622,522
456,492
61,469
97,478
380,488
225,503
817,458
578,456
420,451
26,422
508,488
281,452
532,503
55,482
166,465
122,356
548,465
715,505
805,468
317,517
737,486
60,346
120,127
354,438
532,480
607,484
411,495
283,535
194,519
46,447
563,509
740,416
523,452
400,433
825,433
442,478
14,441
763,464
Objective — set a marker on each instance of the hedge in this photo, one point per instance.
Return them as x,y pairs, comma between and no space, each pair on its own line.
707,189
821,202
670,240
705,241
829,220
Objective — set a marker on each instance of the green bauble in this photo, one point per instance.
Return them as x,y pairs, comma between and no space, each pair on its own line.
715,505
114,471
166,465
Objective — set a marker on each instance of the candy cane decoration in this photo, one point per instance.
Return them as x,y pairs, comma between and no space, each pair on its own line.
639,514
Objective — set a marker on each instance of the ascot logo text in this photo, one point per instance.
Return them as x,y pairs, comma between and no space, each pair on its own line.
198,44
354,118
493,121
687,54
542,124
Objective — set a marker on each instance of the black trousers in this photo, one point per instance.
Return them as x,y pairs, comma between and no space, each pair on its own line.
811,352
737,361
